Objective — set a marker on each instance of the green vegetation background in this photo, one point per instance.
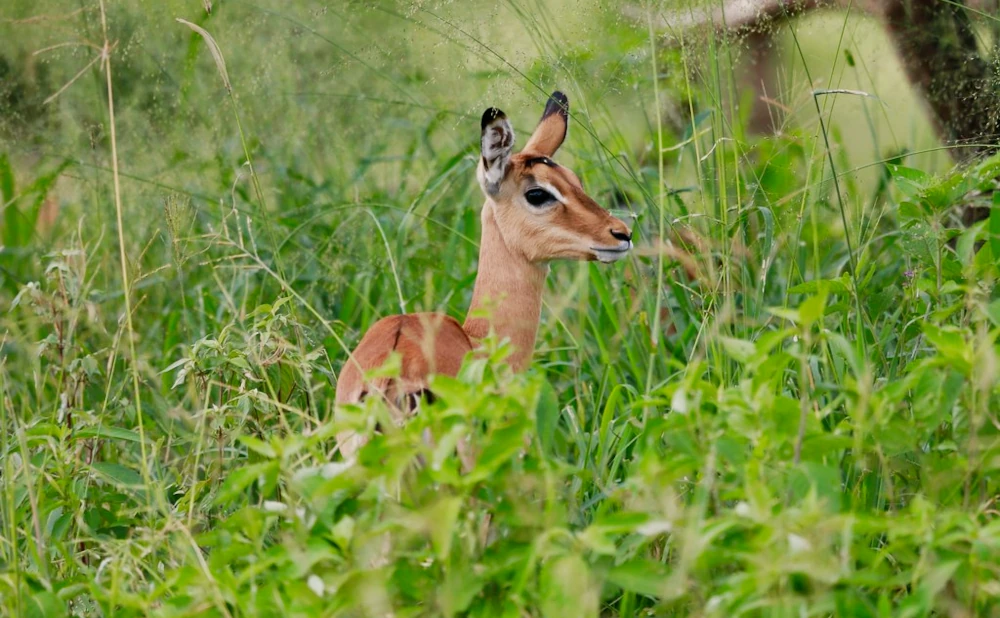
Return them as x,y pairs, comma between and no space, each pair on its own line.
805,426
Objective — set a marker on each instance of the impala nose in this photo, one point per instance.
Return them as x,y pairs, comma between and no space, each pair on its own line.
625,235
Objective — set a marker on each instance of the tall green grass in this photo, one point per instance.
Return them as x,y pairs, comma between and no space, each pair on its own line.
782,404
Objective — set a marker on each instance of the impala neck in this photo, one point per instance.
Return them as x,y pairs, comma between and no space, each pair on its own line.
509,288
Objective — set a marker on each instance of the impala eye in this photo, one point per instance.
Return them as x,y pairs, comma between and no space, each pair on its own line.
538,197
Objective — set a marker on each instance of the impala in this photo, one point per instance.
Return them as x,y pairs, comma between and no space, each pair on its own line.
536,211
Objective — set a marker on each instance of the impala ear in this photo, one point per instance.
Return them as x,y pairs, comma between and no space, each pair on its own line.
551,130
496,143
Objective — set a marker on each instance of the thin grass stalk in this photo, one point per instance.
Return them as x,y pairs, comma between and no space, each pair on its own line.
123,258
392,261
840,198
14,557
220,64
654,339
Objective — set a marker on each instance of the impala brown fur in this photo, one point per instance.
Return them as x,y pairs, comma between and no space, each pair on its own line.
535,211
427,343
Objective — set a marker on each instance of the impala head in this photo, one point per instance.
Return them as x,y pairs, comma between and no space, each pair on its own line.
540,206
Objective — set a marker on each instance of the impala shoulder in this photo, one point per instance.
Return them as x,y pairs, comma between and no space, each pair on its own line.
435,328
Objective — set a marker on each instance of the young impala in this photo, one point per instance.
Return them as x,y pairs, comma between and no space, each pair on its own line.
535,211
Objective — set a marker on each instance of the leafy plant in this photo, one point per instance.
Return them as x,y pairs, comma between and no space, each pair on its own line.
782,404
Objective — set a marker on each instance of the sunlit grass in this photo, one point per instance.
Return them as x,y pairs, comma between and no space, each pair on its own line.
750,416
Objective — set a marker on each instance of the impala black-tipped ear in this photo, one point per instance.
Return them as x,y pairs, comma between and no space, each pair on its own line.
552,128
496,144
558,103
490,115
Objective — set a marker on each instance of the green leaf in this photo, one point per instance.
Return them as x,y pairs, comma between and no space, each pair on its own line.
944,193
792,315
547,417
742,351
938,577
238,361
118,474
993,311
993,225
768,218
598,540
824,480
911,182
811,309
966,244
441,519
11,215
461,586
503,445
640,576
259,446
605,438
949,343
6,180
241,478
107,433
850,603
566,588
44,604
832,286
911,214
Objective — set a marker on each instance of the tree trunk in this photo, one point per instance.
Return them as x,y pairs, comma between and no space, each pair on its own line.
934,40
937,46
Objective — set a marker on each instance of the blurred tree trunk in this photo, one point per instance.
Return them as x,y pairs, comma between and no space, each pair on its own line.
938,48
935,42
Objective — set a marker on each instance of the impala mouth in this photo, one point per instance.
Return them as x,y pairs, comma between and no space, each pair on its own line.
612,254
